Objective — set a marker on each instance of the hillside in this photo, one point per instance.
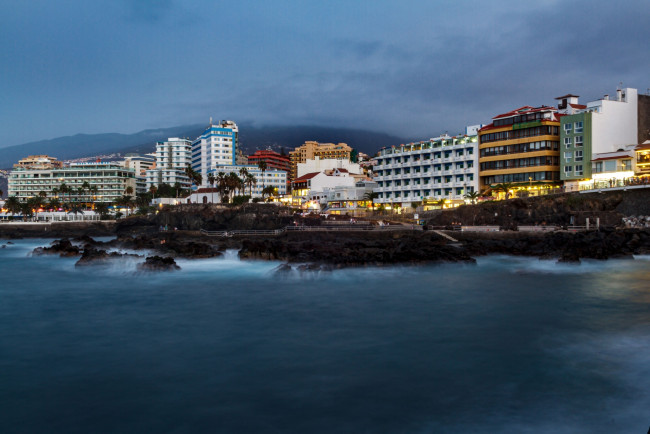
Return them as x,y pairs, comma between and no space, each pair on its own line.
251,138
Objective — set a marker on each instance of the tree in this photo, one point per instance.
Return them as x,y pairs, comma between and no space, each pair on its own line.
472,196
54,204
211,180
250,181
371,196
153,191
504,187
101,208
415,205
129,191
262,166
13,205
269,191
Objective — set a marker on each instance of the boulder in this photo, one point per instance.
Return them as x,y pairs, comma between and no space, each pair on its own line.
159,263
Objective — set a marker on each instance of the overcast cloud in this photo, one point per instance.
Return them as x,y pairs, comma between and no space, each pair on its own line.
410,68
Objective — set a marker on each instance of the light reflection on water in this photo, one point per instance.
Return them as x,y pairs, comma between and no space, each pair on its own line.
507,345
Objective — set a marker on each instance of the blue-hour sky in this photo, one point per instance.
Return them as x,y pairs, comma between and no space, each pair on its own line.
409,68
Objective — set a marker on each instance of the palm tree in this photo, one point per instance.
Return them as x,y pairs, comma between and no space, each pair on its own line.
371,196
54,204
13,205
93,189
129,191
85,187
101,208
262,166
472,196
250,181
504,187
211,181
153,191
270,191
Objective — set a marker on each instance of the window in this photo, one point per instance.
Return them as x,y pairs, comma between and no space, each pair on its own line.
578,170
567,142
578,157
626,165
568,170
567,127
568,155
598,167
578,127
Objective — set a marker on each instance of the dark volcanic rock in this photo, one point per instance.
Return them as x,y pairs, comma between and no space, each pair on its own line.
92,256
353,249
63,248
158,263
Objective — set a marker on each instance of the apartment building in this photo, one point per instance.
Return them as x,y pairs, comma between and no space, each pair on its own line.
173,156
310,150
522,148
444,167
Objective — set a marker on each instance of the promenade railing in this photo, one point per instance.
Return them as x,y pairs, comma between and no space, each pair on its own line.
274,232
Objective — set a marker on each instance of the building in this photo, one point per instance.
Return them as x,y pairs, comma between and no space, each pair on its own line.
105,182
311,187
444,167
611,169
599,127
216,146
273,160
352,200
521,148
269,178
140,164
321,165
38,162
173,156
310,150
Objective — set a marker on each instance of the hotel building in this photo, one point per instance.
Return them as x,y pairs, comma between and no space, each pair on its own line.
521,147
111,181
172,158
272,159
444,167
217,146
271,177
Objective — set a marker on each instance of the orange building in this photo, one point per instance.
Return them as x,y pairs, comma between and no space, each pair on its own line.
309,150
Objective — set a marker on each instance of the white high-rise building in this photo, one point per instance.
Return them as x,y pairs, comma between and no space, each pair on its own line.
172,158
217,146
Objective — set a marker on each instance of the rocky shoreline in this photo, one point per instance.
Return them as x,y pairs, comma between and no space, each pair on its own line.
330,250
314,249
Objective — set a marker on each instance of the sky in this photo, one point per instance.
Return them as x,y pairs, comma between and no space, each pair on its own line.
410,68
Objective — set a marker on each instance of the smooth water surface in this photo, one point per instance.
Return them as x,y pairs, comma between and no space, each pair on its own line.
511,345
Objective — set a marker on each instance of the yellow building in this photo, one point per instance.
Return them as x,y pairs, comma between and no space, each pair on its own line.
309,150
522,148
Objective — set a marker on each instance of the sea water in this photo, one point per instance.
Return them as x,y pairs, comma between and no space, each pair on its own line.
509,345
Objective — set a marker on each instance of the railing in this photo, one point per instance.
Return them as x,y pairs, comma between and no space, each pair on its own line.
348,228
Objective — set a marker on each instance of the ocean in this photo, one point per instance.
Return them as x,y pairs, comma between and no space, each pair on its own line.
509,345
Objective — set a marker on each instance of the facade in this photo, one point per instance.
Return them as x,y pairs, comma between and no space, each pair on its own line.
521,147
310,150
313,186
38,162
444,167
600,126
140,164
172,158
271,177
216,146
273,160
320,165
350,200
612,169
108,181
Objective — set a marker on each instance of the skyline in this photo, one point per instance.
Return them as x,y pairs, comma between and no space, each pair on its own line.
417,70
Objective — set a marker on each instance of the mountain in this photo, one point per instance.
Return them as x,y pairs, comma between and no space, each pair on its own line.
251,138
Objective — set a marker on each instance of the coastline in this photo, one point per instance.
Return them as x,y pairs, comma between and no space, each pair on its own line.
343,249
